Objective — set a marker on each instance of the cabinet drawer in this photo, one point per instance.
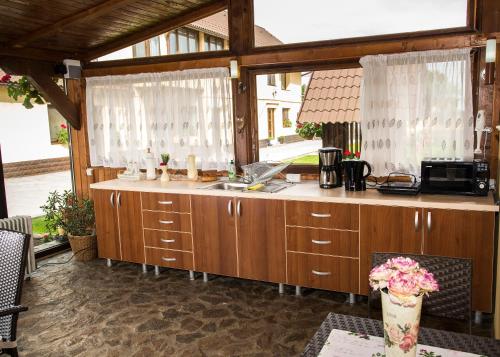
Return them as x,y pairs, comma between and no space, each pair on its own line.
169,258
179,222
168,240
323,272
323,241
166,202
322,215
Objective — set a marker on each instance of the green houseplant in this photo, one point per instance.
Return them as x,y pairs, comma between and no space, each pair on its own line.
65,211
309,130
22,88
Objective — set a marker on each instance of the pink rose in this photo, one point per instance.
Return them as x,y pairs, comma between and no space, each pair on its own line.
407,342
379,277
404,265
427,282
395,335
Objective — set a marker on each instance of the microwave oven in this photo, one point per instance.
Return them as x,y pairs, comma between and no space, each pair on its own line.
455,177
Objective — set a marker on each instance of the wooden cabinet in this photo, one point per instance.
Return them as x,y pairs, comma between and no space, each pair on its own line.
169,258
128,204
106,219
464,234
118,225
214,235
261,239
322,215
165,202
387,229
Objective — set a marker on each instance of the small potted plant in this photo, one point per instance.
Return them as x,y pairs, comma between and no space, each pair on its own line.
309,131
402,284
165,158
281,139
62,135
349,155
76,217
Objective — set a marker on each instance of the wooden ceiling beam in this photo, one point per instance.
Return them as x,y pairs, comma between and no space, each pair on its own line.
37,53
144,34
85,15
40,75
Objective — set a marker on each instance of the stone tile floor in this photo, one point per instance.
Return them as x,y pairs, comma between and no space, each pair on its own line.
87,309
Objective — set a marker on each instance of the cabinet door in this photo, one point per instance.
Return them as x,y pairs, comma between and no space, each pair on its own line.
465,234
389,230
106,220
214,234
129,218
261,239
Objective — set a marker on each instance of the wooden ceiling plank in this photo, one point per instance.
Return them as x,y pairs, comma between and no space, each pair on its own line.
85,15
40,75
144,34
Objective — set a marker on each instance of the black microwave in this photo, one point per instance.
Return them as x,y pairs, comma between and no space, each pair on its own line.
455,177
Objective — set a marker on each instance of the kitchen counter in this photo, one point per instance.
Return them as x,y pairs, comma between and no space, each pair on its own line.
310,191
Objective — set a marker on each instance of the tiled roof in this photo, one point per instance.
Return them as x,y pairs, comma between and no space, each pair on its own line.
217,25
332,96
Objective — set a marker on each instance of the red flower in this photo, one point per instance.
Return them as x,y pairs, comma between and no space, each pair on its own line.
317,125
64,126
347,153
163,164
299,125
5,78
357,154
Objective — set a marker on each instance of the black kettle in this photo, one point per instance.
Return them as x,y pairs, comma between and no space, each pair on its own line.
355,179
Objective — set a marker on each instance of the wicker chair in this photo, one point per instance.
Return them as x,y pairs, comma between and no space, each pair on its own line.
13,252
454,275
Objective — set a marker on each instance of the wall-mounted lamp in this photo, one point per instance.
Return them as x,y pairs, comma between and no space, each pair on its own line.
234,69
491,55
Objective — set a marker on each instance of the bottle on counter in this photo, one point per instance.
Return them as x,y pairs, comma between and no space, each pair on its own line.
231,170
192,172
150,166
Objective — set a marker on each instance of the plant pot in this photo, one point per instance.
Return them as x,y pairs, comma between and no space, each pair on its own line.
307,137
165,177
401,325
84,247
61,231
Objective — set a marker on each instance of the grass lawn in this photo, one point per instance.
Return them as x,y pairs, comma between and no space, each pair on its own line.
39,225
305,160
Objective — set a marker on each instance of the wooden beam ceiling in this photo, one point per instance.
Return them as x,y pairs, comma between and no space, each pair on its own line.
143,34
81,16
40,75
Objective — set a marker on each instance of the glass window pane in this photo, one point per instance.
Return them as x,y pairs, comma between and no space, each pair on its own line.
140,50
154,46
193,42
183,40
173,43
317,20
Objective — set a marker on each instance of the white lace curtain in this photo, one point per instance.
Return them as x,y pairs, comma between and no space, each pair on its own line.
180,113
414,106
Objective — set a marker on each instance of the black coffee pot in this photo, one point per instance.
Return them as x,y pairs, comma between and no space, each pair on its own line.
355,179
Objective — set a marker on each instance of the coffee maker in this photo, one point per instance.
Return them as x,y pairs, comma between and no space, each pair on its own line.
330,167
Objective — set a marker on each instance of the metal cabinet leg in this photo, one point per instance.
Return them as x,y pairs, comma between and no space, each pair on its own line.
109,263
297,291
281,288
157,270
352,298
144,268
205,277
478,317
191,275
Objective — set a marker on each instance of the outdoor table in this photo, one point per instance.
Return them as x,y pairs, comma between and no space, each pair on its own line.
427,336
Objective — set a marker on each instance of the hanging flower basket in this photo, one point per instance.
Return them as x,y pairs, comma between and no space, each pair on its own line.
309,131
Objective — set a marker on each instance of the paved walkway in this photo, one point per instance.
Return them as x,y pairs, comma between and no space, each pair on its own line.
289,151
26,194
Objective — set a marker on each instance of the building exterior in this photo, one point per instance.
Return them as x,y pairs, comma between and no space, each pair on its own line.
278,95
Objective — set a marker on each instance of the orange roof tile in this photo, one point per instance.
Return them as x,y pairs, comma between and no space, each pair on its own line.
332,96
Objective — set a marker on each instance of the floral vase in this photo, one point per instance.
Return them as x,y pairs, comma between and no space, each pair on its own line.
401,325
164,174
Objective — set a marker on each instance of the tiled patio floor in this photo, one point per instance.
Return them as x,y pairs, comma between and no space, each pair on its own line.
87,309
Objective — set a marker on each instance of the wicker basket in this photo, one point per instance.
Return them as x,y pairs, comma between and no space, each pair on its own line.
84,247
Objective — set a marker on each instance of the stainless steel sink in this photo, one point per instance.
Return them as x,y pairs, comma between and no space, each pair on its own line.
228,186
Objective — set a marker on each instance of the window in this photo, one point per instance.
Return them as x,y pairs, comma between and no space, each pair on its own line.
183,40
284,81
213,43
139,49
270,123
154,46
287,123
271,80
317,20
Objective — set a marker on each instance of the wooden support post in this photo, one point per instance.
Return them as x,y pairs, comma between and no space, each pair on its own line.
40,74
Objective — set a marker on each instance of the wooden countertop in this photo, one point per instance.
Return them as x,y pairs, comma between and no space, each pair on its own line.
310,191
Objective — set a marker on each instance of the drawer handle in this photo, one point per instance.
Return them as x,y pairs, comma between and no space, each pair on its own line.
167,240
165,202
168,259
321,215
321,241
321,273
166,222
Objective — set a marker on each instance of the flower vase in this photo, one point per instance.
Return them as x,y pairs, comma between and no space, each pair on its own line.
164,174
401,325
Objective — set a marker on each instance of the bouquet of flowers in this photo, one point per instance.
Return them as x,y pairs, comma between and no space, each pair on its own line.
403,279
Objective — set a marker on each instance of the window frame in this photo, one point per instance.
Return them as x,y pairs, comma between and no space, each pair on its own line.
208,41
471,27
285,117
190,34
271,80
